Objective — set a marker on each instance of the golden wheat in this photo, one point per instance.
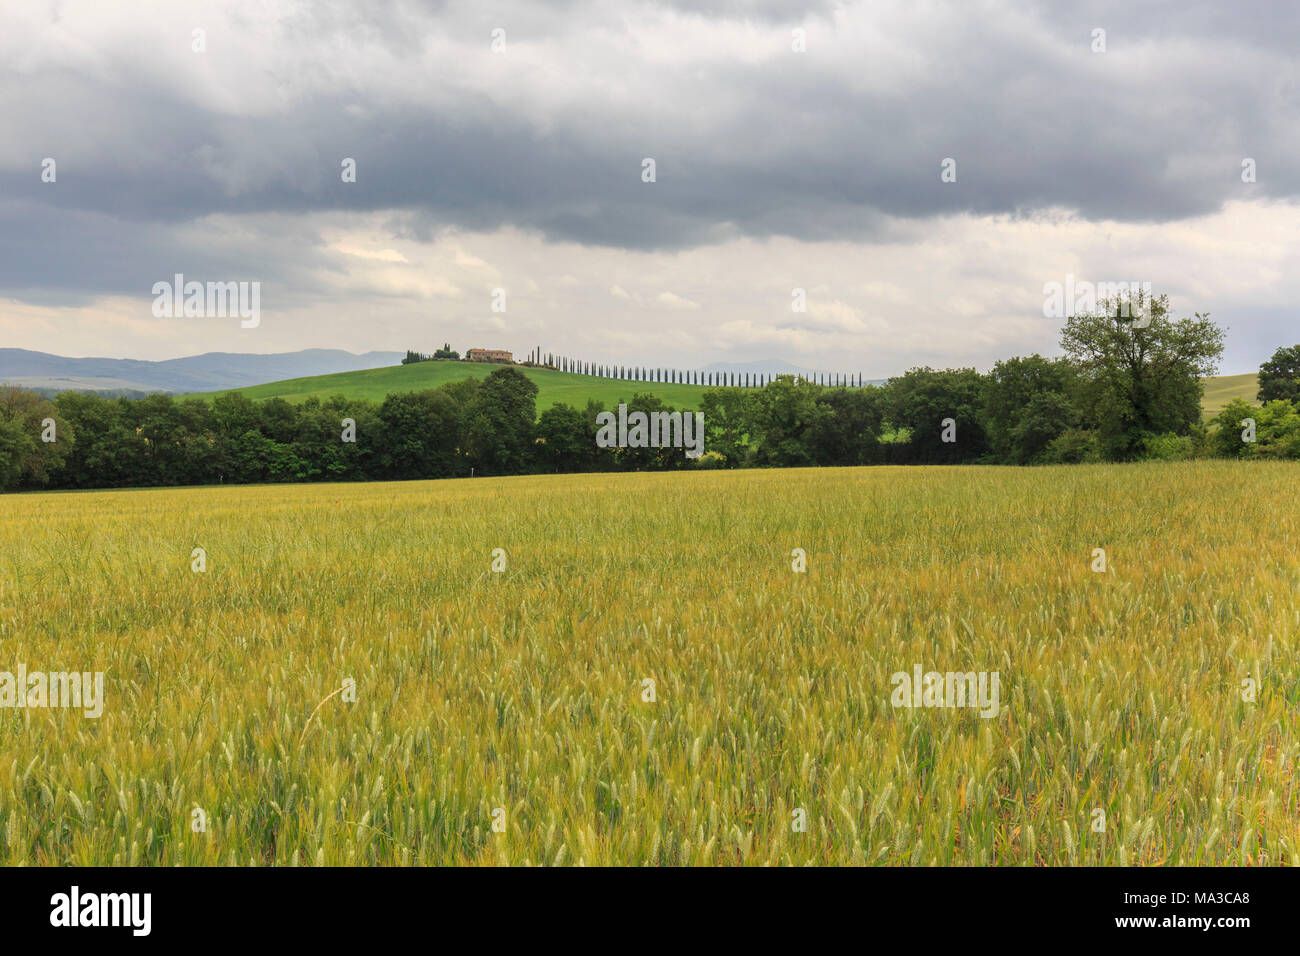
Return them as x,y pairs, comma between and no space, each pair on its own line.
519,698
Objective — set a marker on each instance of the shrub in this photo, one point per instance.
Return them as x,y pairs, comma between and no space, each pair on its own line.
1074,446
1169,447
1277,430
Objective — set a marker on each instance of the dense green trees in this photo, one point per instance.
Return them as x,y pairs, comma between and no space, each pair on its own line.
726,420
784,418
106,450
446,352
1124,390
848,430
564,444
943,412
1027,407
413,440
1244,431
34,439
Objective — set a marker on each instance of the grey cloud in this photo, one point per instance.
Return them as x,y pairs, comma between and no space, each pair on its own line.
792,146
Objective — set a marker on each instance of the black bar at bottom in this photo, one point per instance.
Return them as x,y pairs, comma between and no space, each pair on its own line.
336,906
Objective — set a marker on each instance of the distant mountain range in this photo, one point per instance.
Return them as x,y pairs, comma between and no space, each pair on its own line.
195,373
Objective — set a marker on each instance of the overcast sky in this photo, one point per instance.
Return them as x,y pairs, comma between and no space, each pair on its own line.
522,169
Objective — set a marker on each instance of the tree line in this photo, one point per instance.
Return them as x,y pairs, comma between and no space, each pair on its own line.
1120,392
536,358
446,352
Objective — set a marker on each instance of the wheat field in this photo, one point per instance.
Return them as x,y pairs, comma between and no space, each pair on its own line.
504,717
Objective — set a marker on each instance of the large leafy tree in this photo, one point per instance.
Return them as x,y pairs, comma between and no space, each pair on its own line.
502,425
1279,377
1140,371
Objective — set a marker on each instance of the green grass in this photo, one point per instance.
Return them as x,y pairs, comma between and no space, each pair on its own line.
553,387
1222,389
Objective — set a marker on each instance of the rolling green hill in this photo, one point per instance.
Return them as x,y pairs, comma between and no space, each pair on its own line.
1222,389
571,388
553,387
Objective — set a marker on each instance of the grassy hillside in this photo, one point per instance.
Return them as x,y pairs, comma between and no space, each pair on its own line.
1219,391
570,388
553,387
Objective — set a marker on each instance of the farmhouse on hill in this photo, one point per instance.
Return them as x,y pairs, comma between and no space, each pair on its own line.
489,355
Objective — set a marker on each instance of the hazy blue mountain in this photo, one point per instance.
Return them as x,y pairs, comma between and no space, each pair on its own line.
194,373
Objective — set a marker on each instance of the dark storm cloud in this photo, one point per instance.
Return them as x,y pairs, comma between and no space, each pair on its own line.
816,145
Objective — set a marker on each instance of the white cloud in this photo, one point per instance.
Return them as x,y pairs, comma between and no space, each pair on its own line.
672,300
